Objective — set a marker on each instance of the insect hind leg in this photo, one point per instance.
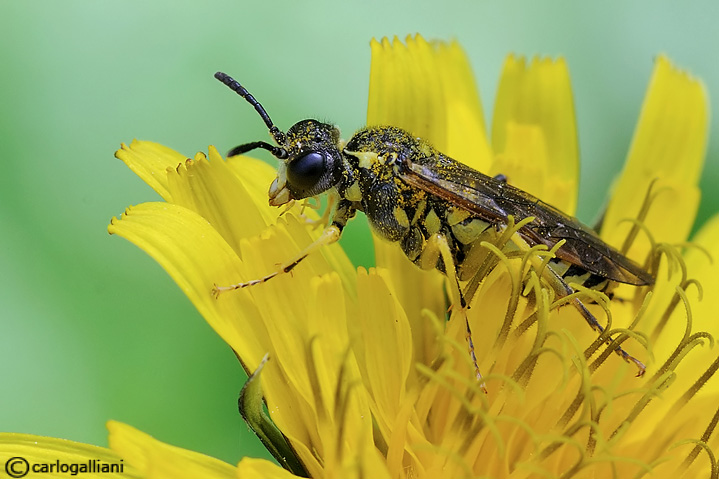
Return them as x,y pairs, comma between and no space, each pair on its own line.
561,287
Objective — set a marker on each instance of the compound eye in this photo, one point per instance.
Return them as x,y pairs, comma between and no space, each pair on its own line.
304,172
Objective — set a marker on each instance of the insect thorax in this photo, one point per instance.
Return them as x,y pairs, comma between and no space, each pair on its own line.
397,211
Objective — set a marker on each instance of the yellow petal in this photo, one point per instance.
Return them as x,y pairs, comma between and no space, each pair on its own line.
417,291
703,264
150,162
235,204
157,460
704,267
668,146
196,257
428,89
256,176
466,132
210,189
251,468
383,332
276,318
42,453
534,133
684,410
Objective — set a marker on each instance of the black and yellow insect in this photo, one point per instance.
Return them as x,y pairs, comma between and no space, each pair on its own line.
436,208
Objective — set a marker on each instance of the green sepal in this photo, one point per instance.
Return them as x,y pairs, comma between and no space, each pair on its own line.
252,409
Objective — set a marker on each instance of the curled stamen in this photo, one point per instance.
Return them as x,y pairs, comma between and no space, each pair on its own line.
630,331
674,259
679,294
511,311
654,389
697,285
700,446
641,217
444,380
639,226
567,439
524,370
682,350
700,248
545,255
515,278
489,261
581,292
583,396
532,283
691,392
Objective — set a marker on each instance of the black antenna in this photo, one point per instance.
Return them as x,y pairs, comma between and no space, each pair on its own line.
279,153
279,137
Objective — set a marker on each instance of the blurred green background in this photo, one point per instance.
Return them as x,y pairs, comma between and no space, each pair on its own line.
92,328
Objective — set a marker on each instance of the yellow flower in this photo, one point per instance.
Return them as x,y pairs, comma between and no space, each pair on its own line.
365,378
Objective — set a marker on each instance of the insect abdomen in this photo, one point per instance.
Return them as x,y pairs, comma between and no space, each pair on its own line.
571,273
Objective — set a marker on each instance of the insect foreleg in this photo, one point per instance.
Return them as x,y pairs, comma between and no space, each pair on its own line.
438,247
331,234
325,218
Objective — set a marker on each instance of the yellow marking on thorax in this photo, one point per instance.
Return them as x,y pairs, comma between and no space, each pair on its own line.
366,158
353,193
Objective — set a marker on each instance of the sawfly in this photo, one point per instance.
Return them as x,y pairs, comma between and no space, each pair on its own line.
436,208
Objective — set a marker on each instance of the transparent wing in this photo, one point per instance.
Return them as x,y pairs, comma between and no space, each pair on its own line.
494,201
